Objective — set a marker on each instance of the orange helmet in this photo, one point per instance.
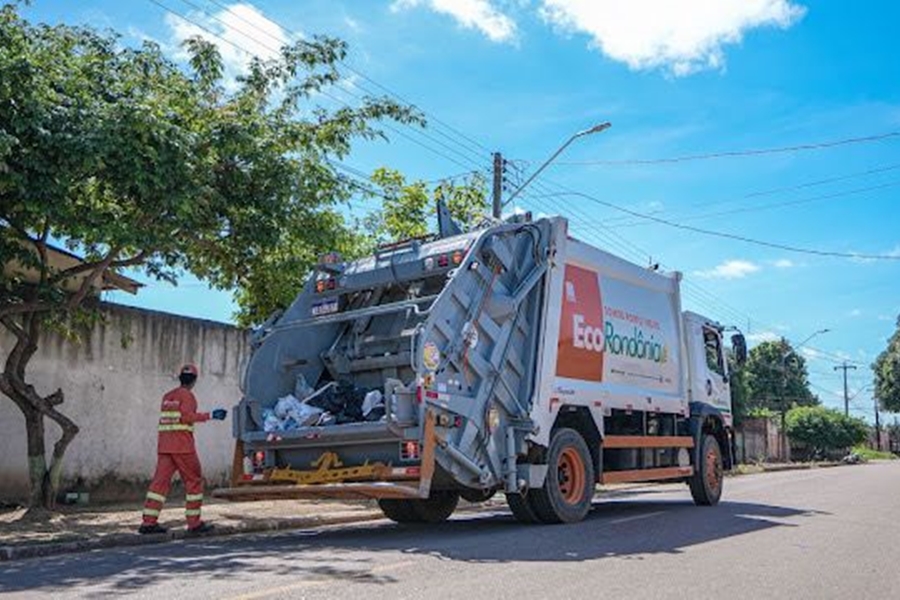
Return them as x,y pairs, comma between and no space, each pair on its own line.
190,369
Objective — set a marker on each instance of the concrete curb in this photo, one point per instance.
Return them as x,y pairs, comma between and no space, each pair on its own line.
37,550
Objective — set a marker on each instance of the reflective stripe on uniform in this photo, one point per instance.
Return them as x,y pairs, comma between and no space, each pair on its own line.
192,512
193,497
151,512
155,496
170,413
179,427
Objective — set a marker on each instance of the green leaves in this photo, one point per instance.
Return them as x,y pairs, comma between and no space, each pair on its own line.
887,374
121,153
823,429
777,378
406,207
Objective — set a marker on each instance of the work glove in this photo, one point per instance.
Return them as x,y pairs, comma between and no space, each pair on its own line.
219,414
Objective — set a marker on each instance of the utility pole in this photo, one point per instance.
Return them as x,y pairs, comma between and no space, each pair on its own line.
498,184
845,367
877,428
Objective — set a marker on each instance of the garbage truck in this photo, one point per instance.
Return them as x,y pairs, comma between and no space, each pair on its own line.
514,358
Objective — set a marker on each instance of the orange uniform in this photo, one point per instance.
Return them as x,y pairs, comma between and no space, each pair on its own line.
176,452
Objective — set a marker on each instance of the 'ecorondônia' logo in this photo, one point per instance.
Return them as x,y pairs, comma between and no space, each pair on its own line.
581,337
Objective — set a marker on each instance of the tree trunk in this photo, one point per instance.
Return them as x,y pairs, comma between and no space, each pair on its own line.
44,481
37,460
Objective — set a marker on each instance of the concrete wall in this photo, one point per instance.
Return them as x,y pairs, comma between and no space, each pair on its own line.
113,381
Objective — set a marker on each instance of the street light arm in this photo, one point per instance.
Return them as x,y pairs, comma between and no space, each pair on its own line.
594,129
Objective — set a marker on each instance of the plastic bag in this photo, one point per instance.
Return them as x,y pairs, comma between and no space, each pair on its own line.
372,401
302,414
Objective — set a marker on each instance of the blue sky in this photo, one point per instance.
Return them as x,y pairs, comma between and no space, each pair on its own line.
676,79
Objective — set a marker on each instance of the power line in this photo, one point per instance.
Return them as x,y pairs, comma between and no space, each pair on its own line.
731,236
736,153
321,91
362,75
770,206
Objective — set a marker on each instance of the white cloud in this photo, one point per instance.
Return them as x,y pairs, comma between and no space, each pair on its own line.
471,14
731,269
783,263
810,353
682,36
855,313
241,32
763,336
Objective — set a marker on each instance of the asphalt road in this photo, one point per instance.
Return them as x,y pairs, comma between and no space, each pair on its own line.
828,533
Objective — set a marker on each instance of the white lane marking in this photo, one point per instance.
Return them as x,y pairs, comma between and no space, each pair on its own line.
635,518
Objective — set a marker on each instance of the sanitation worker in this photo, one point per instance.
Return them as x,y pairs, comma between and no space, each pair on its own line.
176,452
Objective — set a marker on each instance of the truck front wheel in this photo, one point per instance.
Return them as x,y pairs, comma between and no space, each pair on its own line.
706,482
568,488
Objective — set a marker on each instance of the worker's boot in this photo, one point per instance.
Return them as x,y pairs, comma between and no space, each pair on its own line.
203,527
147,529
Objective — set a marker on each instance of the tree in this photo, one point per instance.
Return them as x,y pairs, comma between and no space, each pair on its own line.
777,377
741,394
275,279
406,207
821,429
887,374
132,161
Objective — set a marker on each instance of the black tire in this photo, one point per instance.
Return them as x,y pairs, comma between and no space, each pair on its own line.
475,495
521,509
399,511
568,488
436,508
708,478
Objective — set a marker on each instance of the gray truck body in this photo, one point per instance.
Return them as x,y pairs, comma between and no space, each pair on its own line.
466,337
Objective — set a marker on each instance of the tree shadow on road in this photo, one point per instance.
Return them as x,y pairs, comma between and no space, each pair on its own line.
619,528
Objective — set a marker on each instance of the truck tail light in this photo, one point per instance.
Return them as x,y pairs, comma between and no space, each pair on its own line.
409,450
443,260
418,394
457,257
320,286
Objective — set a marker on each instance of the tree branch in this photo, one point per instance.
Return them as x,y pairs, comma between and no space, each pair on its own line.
89,266
25,308
101,267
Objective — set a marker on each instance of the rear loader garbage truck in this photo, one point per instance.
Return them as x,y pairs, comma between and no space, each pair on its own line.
513,358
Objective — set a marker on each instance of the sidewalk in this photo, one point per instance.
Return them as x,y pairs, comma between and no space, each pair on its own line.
76,529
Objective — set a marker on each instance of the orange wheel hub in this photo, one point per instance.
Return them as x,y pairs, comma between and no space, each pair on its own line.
571,475
713,470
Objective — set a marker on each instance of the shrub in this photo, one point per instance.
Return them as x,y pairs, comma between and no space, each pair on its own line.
822,430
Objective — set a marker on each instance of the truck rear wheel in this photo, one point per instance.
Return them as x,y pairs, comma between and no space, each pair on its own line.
569,486
399,511
521,508
706,482
436,508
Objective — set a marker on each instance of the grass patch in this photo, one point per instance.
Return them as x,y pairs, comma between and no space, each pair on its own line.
870,454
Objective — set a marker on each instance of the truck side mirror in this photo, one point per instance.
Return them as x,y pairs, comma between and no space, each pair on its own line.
739,344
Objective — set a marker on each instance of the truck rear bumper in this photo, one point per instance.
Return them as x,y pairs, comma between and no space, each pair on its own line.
338,491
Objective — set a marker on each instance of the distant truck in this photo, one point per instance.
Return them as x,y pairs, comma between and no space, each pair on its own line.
513,358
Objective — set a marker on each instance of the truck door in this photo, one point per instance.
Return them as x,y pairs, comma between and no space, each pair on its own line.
717,389
709,368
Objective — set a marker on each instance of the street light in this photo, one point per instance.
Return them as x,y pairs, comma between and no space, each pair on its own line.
589,131
784,358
